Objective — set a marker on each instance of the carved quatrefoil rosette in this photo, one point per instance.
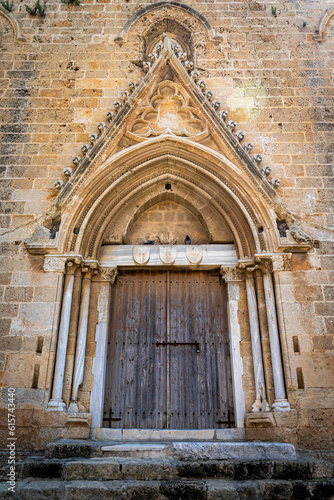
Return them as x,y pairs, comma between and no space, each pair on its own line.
167,112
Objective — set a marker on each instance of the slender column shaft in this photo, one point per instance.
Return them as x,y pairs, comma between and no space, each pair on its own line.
233,278
56,403
82,338
280,403
108,277
260,403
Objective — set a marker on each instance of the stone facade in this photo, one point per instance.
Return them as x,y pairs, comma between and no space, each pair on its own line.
270,66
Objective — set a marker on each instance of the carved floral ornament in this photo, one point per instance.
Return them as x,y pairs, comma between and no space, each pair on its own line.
167,112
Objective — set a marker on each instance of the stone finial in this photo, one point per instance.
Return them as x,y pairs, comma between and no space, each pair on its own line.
194,75
68,171
248,147
209,95
158,48
202,85
85,148
146,66
76,160
257,159
93,138
125,96
266,170
117,106
223,115
276,183
189,65
133,86
151,57
101,126
240,135
110,116
59,184
231,124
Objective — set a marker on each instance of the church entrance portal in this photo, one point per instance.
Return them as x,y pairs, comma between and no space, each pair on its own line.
168,361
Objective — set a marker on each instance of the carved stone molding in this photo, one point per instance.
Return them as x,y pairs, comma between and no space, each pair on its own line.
230,274
287,257
54,264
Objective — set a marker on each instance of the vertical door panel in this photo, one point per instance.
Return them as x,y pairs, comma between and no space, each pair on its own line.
168,359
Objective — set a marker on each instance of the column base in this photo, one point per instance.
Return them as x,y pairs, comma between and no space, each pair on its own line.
281,405
56,405
73,408
260,406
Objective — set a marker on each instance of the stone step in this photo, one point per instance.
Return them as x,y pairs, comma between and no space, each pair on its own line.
106,469
210,489
182,450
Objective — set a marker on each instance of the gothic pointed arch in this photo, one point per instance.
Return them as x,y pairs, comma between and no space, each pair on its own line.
164,5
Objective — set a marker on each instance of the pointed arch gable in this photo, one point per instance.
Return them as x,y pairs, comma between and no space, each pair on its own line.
140,168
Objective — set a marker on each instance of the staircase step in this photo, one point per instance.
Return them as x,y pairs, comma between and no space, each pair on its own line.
211,489
106,469
183,450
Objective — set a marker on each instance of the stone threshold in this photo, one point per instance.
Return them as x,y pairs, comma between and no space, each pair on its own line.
103,434
172,450
203,450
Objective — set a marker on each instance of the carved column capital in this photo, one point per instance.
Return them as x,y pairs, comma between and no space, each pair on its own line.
108,274
230,274
277,262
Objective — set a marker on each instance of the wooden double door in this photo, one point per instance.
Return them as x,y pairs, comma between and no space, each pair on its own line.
168,364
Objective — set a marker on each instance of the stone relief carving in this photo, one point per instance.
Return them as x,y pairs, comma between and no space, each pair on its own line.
194,254
141,254
299,235
167,254
167,112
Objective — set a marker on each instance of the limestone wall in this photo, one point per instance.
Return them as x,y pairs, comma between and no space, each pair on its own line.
275,80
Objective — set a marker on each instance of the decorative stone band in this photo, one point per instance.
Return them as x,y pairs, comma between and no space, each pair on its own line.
54,264
58,263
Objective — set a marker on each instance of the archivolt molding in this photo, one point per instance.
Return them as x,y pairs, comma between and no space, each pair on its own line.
15,24
194,163
320,35
166,4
